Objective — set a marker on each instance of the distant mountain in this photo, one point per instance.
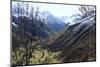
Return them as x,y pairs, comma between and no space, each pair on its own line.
52,21
37,27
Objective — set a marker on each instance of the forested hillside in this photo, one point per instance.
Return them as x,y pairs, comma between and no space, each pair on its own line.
45,39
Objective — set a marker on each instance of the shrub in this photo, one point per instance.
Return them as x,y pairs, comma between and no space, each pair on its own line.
43,56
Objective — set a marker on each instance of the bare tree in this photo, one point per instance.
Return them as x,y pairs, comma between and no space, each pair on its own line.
84,12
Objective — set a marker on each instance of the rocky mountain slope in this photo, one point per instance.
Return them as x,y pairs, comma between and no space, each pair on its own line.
78,42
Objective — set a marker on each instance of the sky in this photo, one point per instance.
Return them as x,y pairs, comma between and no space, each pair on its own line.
58,10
